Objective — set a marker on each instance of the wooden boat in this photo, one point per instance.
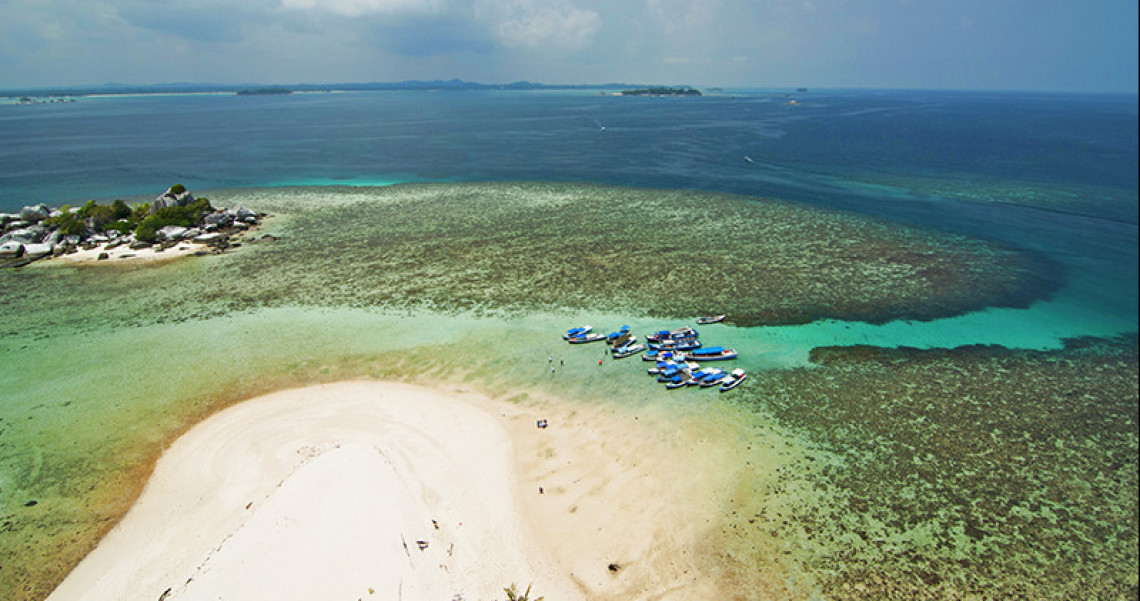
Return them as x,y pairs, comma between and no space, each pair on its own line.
614,338
712,353
733,380
584,338
678,381
627,351
574,332
622,340
711,319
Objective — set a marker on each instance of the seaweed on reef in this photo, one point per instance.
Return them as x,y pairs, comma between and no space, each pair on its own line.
967,472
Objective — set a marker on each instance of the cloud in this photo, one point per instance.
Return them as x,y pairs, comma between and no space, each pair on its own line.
359,8
544,25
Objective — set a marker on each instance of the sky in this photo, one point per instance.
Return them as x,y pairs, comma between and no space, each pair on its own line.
1043,45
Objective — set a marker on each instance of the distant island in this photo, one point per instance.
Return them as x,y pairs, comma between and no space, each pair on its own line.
268,91
662,91
457,85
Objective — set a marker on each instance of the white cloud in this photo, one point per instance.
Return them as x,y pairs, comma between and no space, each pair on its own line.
359,8
536,25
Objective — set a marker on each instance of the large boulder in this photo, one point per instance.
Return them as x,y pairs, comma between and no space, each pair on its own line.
172,198
11,250
219,218
35,214
35,251
171,232
28,235
244,214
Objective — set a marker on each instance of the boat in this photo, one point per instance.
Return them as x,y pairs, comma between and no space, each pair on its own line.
663,335
733,380
584,338
613,337
653,371
712,353
676,344
622,340
678,381
627,351
711,319
573,332
713,380
699,376
661,355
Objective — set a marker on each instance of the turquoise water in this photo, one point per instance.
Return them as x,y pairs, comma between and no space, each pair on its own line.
1052,174
957,476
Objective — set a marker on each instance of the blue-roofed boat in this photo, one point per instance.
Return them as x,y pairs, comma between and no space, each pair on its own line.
678,381
663,335
700,375
574,332
613,337
713,379
710,373
662,355
733,380
712,353
628,350
584,338
676,344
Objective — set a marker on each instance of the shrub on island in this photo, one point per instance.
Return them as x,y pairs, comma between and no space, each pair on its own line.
182,216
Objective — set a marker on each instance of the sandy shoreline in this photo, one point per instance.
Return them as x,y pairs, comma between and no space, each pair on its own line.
125,254
323,492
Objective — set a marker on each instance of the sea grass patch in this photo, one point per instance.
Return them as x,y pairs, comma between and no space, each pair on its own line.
508,247
976,472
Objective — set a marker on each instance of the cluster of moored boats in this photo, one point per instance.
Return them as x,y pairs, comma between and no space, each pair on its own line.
675,353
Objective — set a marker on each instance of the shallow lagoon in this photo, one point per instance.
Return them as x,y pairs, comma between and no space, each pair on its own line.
843,491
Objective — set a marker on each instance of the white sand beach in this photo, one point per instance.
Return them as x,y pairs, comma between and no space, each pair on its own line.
384,490
125,254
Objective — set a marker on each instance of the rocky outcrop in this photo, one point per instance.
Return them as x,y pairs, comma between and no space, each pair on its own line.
37,232
35,214
175,196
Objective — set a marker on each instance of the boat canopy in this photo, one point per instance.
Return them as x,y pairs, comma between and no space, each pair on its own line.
712,350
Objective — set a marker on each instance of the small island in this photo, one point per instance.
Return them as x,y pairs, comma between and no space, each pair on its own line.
662,91
270,91
174,220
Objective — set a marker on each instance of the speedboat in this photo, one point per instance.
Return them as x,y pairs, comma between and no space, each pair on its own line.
711,319
627,351
713,379
733,380
584,338
712,353
574,332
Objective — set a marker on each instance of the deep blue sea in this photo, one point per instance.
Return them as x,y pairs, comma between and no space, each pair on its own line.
1049,173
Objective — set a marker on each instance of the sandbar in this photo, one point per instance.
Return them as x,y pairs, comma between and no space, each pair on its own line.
386,490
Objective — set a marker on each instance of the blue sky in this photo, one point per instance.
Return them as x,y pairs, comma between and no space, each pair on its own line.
934,44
